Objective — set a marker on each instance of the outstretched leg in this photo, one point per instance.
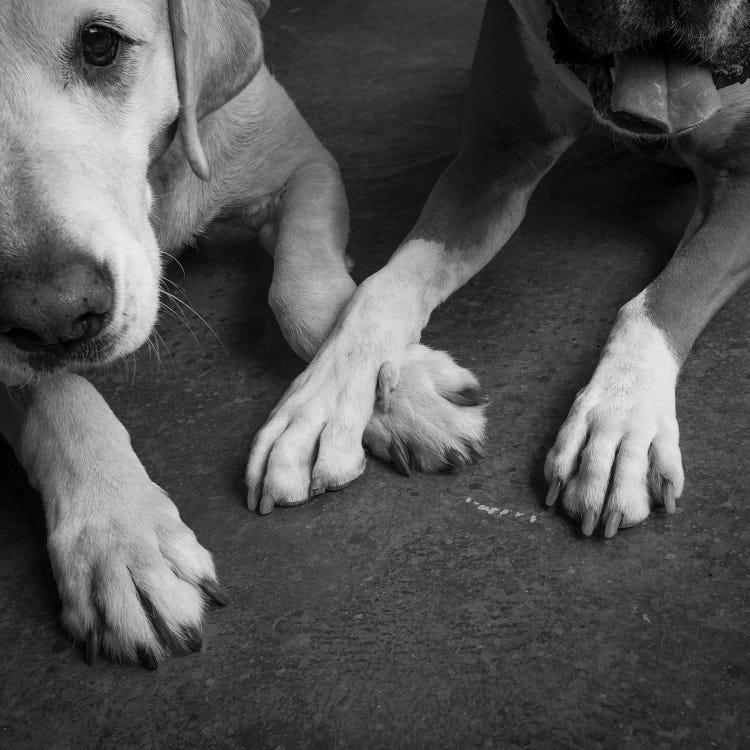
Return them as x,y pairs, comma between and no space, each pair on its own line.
619,447
428,413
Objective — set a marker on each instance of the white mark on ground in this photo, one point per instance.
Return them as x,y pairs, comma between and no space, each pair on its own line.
492,510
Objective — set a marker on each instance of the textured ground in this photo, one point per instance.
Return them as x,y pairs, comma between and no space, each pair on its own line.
400,613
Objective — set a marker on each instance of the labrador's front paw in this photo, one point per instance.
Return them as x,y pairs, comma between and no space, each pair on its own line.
133,579
312,441
429,415
618,450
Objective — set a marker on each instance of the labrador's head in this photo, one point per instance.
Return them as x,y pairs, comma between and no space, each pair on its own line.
91,92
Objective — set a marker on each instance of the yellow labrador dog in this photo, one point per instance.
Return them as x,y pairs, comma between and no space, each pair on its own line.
126,127
665,78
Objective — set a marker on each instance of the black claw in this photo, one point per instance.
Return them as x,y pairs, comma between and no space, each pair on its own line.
474,451
554,492
163,632
91,647
147,659
193,639
214,592
400,457
455,459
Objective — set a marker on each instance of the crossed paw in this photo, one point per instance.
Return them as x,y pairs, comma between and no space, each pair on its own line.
427,416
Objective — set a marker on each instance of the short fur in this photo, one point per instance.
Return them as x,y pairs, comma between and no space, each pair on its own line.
93,179
618,452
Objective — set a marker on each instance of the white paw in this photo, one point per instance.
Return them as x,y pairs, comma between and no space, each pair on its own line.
133,579
312,442
618,450
428,415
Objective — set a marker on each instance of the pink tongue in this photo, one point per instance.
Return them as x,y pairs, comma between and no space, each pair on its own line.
673,96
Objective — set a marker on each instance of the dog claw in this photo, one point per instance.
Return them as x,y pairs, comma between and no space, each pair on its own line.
454,458
388,377
553,493
214,592
252,499
267,504
667,489
613,524
91,648
147,659
589,522
475,452
400,458
193,640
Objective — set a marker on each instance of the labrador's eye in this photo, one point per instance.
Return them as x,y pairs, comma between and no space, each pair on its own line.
100,45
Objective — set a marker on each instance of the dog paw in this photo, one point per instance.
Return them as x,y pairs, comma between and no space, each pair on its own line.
312,441
618,451
428,416
133,579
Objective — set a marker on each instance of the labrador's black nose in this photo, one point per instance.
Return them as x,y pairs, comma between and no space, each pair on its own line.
57,311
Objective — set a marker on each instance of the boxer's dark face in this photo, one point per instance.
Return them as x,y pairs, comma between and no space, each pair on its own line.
703,27
653,67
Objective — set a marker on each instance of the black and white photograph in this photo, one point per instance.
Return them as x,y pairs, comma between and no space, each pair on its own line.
374,375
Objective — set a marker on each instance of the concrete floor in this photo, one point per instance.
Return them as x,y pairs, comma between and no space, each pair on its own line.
399,613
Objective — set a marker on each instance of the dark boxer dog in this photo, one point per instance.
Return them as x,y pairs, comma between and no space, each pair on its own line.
667,77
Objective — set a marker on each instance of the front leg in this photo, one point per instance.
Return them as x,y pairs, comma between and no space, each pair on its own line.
133,580
619,448
315,434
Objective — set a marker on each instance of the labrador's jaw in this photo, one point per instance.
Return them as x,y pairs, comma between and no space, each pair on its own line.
133,579
619,447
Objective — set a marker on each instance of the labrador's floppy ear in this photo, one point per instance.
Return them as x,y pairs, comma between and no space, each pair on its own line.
217,51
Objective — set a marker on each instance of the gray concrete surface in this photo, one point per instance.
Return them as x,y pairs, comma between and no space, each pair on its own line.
399,613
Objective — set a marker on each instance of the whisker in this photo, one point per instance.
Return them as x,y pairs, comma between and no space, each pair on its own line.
192,310
160,338
177,315
174,259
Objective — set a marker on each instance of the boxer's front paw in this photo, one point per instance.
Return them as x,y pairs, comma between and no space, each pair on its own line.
133,580
429,415
618,450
